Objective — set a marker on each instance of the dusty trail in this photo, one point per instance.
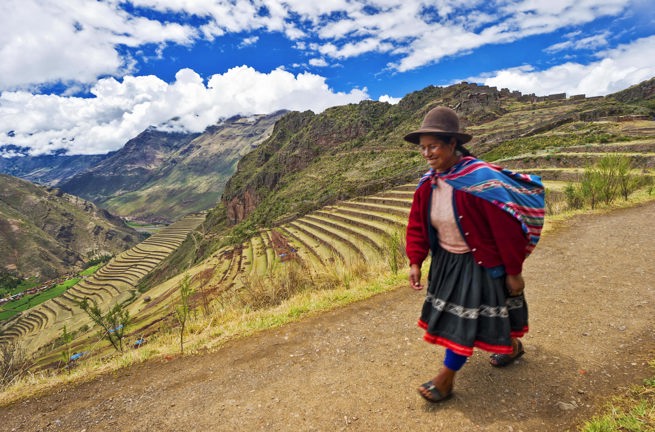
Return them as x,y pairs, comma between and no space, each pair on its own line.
591,291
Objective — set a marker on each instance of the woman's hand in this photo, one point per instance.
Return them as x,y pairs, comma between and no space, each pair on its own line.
415,277
515,284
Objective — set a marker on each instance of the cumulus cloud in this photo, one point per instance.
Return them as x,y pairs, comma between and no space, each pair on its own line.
119,110
318,62
77,40
615,70
389,99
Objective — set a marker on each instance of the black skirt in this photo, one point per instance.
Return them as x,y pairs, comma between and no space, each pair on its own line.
465,307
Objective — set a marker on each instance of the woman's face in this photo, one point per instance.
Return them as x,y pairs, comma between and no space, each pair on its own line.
439,154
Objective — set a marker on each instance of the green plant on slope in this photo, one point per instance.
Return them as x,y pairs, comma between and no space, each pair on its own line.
395,250
603,182
66,339
113,323
183,309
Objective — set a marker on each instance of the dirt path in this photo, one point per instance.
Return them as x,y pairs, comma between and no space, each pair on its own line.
591,291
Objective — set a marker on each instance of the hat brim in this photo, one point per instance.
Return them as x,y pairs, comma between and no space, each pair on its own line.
415,136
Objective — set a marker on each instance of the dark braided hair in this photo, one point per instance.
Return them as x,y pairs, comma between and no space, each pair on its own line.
463,150
459,146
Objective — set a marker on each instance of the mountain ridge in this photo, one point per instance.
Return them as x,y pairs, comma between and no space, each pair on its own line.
45,233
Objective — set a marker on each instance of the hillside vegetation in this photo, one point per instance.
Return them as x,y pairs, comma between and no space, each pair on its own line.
45,233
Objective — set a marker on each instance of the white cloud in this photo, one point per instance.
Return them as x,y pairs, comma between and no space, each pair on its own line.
615,70
589,43
120,110
79,40
76,40
249,41
389,99
318,62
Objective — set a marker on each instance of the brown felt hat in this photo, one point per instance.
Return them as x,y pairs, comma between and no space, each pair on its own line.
439,121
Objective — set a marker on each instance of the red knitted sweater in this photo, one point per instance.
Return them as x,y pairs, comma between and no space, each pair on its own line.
493,235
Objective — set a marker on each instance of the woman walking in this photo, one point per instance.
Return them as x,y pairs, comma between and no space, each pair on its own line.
479,222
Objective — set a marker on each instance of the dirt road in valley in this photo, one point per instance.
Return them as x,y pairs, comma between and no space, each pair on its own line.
591,292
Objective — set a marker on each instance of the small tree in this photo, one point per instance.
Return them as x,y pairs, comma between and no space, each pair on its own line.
113,323
609,168
183,310
574,197
395,250
592,186
66,339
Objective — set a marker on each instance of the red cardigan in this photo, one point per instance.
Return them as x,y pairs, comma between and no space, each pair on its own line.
494,236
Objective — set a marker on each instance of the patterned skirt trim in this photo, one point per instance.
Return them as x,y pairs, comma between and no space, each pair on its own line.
465,350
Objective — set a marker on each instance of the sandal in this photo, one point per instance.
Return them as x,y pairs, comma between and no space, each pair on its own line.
435,395
502,360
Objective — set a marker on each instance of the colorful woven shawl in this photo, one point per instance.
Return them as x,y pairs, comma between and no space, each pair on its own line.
521,195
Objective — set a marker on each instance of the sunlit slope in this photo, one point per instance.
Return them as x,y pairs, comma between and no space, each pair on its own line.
115,282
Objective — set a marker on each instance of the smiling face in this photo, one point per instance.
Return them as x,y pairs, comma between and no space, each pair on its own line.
439,154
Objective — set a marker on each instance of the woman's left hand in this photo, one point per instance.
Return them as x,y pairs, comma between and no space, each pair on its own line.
515,284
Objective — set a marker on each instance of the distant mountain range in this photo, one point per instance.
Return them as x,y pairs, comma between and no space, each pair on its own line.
49,170
157,176
45,232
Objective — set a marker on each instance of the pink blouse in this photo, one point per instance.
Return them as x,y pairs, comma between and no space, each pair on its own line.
442,217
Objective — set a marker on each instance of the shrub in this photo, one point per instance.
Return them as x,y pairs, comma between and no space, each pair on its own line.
603,182
113,323
395,250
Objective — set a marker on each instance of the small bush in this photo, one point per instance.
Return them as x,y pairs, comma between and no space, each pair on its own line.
273,288
113,323
603,182
395,250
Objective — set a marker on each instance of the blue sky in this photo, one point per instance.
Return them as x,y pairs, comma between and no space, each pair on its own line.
85,76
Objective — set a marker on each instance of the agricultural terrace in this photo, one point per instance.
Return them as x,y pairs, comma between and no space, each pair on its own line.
115,282
361,230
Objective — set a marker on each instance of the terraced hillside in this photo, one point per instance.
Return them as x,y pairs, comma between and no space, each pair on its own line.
356,230
359,229
115,282
567,162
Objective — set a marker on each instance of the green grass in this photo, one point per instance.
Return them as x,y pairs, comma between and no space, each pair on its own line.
633,411
29,301
91,270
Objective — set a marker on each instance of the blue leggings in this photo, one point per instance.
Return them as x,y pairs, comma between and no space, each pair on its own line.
454,361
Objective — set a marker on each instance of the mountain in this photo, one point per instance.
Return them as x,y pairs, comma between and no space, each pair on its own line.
312,160
129,168
45,232
160,176
49,170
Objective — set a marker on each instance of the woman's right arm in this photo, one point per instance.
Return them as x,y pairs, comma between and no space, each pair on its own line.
417,241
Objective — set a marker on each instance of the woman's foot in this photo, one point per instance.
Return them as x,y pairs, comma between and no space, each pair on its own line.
440,388
502,360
